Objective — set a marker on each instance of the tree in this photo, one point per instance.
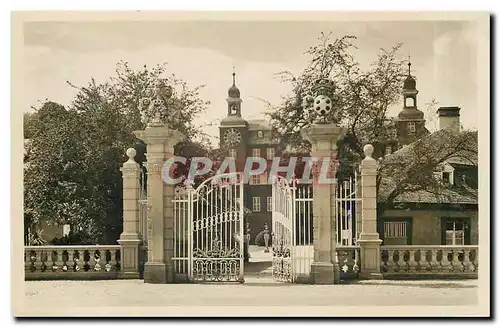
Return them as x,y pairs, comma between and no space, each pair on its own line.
55,177
75,153
362,96
362,99
412,171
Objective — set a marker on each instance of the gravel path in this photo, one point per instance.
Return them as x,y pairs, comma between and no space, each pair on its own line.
254,292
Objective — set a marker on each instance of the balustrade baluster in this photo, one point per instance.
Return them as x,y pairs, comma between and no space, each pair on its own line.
468,266
384,257
64,260
44,261
413,263
392,265
404,260
86,260
445,263
117,259
355,267
37,261
27,260
349,261
455,262
75,260
96,260
107,260
475,260
57,261
434,264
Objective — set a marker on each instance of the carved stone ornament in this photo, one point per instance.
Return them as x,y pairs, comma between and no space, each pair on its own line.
157,104
368,150
318,103
130,167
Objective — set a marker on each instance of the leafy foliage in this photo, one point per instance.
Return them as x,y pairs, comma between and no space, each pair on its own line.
363,97
412,170
74,155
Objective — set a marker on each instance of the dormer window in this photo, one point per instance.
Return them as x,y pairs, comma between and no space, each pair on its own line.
260,134
446,177
411,127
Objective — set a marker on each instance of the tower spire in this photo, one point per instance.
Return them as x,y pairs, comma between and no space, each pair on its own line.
409,65
234,77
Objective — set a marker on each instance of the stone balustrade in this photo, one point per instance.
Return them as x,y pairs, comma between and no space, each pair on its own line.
72,262
432,261
349,263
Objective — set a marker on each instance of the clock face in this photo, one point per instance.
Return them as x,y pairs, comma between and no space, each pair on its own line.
232,137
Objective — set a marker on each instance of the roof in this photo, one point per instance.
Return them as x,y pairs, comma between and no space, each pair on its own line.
409,83
445,196
438,146
259,124
233,120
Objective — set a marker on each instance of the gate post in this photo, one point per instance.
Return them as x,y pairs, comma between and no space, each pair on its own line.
369,240
323,138
130,237
160,140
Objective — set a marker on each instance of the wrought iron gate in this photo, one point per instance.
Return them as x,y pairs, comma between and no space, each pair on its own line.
283,237
209,230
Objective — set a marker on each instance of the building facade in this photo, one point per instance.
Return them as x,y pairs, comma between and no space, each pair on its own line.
240,139
422,217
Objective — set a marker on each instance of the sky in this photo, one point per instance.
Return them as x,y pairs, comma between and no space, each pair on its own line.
443,55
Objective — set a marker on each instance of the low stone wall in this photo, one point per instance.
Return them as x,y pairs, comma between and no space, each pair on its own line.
72,262
422,261
398,262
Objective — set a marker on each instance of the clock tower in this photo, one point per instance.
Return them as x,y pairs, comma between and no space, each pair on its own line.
234,129
410,123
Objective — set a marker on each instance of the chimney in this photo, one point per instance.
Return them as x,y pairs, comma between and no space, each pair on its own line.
449,117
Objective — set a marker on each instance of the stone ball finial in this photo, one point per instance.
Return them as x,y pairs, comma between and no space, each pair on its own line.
131,153
368,150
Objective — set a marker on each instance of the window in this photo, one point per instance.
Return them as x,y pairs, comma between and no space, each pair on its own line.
256,204
255,179
388,150
455,232
409,102
260,134
411,127
269,203
255,152
446,177
395,229
232,153
270,153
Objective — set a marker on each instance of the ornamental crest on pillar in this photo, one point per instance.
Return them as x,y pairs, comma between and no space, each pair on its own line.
157,104
319,102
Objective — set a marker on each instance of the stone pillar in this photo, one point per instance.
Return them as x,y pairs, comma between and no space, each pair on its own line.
160,142
369,240
130,237
325,268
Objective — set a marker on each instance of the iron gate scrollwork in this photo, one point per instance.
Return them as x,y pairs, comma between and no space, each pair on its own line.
283,238
217,230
